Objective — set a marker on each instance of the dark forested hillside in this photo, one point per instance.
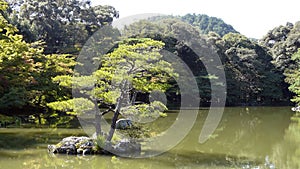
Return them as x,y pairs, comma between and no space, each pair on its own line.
252,78
283,43
208,24
203,23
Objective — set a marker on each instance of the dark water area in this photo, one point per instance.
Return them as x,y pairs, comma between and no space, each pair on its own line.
246,137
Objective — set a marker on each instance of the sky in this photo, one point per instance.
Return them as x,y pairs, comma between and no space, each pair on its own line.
251,18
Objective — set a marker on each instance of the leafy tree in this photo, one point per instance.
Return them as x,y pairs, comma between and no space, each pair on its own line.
45,90
174,33
165,26
251,77
26,86
203,23
64,25
134,67
293,77
208,24
16,64
283,42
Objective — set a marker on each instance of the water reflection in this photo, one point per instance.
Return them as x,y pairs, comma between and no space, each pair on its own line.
21,138
243,132
286,155
167,161
244,138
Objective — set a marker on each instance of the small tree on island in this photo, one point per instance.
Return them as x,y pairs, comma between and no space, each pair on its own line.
134,66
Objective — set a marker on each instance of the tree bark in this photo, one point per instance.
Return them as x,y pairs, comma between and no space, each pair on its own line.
133,98
40,119
117,111
98,117
113,126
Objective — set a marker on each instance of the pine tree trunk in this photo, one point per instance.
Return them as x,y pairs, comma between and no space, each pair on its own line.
117,111
113,126
133,98
98,124
40,119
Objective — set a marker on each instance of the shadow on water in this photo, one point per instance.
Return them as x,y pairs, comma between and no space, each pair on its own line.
179,159
167,160
18,138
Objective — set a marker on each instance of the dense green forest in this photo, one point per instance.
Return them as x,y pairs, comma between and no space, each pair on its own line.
40,41
203,23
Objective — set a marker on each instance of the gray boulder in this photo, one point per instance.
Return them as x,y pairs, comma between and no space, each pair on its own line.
123,124
127,148
72,145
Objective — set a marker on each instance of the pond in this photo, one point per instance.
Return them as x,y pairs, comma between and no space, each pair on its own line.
253,137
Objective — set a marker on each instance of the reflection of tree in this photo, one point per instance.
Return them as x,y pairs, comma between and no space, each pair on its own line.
287,153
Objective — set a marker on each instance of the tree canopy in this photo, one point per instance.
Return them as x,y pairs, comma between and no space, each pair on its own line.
134,66
40,41
251,77
26,85
16,64
293,77
208,24
64,25
283,42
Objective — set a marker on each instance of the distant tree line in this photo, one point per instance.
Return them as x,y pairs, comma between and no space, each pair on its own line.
208,24
253,74
40,40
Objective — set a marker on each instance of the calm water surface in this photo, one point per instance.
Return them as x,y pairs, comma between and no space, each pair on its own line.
254,137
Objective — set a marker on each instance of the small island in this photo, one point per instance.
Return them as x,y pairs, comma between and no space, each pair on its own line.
89,146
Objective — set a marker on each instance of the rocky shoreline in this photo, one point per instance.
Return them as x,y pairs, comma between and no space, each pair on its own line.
89,146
